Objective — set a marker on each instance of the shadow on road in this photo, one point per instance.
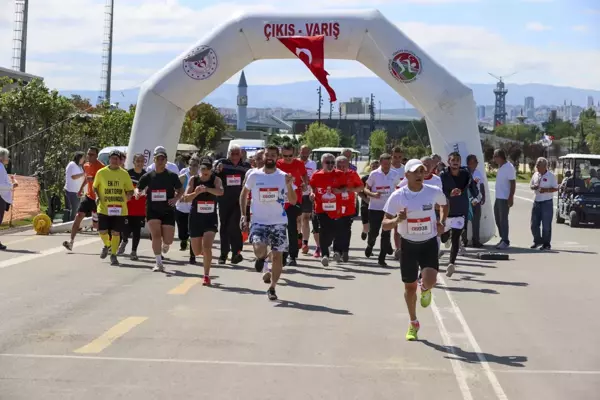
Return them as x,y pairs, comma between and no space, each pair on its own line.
467,290
361,271
19,251
474,358
503,283
311,307
524,250
291,271
301,285
177,272
470,273
239,290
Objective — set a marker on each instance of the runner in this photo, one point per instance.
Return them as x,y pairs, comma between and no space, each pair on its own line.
88,204
165,190
411,209
113,188
296,168
232,172
364,203
202,193
182,208
397,166
455,183
380,185
349,156
325,185
170,166
352,184
307,204
271,188
136,210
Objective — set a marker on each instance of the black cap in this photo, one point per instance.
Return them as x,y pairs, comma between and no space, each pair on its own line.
206,162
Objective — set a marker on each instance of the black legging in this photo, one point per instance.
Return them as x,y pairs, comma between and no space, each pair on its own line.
375,221
229,231
133,227
341,243
292,229
455,236
327,231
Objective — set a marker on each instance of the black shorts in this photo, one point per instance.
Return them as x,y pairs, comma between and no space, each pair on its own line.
364,212
415,255
165,217
201,223
111,223
307,205
315,223
87,206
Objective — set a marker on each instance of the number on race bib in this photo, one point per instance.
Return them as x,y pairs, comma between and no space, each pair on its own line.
206,207
159,195
384,190
268,195
329,205
234,180
114,211
419,226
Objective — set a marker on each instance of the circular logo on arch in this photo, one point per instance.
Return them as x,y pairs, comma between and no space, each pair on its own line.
405,66
201,63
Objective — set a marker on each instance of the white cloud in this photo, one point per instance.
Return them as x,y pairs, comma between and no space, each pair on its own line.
537,26
580,28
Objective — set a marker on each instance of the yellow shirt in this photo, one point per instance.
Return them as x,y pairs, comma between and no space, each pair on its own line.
112,186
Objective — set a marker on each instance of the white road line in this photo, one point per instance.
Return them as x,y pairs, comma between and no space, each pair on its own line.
29,257
457,367
546,372
220,362
484,363
518,197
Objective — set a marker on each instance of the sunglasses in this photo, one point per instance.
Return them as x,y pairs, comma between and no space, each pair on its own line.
328,162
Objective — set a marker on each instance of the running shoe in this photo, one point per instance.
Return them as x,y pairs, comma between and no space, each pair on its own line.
183,245
271,294
450,270
2,247
368,251
382,263
158,268
546,246
426,298
317,253
206,281
337,257
305,249
345,256
413,330
222,260
122,247
165,248
114,261
133,256
448,243
267,277
193,260
503,246
259,264
461,250
104,252
535,246
68,245
292,262
236,259
325,261
363,235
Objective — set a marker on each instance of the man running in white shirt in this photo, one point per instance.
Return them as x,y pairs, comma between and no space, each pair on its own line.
411,209
271,188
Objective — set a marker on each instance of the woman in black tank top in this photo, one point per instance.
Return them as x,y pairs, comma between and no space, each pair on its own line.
202,192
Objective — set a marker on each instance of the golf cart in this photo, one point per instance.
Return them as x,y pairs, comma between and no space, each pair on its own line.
579,192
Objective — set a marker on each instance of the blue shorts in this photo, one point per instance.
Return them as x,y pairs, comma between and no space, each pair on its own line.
274,236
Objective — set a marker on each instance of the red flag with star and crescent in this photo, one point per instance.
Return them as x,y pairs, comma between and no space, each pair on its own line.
311,51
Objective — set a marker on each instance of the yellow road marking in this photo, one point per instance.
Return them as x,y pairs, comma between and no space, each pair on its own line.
106,339
184,287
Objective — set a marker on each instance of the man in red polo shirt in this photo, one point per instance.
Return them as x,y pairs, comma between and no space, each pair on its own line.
296,168
351,185
326,184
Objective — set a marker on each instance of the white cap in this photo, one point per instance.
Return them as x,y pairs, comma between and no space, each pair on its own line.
413,165
160,150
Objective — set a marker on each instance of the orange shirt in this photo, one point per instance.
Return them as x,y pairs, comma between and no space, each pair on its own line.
347,201
323,184
90,171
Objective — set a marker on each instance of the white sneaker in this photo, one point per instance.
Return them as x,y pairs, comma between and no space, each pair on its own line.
502,246
337,257
325,261
450,270
158,268
461,250
165,248
448,243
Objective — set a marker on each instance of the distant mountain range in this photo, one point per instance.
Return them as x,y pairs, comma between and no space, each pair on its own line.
302,95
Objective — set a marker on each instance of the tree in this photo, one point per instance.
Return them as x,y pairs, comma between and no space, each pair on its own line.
532,151
488,152
377,143
518,132
203,127
319,135
589,130
112,127
81,104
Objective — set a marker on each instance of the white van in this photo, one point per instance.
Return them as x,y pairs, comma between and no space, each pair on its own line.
250,145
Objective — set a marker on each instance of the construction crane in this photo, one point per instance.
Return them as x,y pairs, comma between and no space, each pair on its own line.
500,103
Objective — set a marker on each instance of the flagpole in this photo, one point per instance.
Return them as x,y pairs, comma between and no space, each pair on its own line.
320,104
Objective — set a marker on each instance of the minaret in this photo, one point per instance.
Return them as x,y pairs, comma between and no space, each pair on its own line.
242,103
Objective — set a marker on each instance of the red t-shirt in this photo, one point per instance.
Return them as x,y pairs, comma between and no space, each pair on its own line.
347,201
323,184
297,169
136,208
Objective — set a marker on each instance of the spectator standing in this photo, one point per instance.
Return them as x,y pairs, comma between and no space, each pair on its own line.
544,184
7,184
505,193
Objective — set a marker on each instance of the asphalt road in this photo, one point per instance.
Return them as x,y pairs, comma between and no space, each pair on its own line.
72,327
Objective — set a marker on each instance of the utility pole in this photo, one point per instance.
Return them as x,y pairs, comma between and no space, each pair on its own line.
380,112
330,110
320,104
107,52
372,112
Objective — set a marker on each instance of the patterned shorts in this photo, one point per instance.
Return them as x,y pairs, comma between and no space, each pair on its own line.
274,236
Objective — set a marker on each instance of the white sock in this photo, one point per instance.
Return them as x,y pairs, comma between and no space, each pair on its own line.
158,260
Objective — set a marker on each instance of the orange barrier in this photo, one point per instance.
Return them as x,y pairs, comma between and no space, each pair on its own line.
26,199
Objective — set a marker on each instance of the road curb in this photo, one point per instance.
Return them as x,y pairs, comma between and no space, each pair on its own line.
16,229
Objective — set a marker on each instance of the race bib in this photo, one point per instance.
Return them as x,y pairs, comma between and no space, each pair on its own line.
159,195
329,205
234,180
419,226
384,190
268,195
206,207
456,222
114,211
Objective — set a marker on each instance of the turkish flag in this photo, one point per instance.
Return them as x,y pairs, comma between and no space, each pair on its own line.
311,51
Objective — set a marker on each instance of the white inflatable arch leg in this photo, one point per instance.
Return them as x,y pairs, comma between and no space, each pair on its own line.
365,36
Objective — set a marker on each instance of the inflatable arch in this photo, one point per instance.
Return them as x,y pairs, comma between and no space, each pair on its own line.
365,36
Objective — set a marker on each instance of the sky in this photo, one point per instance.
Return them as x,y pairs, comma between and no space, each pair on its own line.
545,41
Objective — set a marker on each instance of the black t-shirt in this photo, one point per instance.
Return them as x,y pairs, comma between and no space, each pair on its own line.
135,177
161,188
233,179
364,198
458,205
208,201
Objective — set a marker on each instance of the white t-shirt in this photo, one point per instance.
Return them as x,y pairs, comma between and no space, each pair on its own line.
399,170
506,173
73,185
433,181
311,168
269,194
546,181
420,224
182,206
384,184
479,180
170,166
